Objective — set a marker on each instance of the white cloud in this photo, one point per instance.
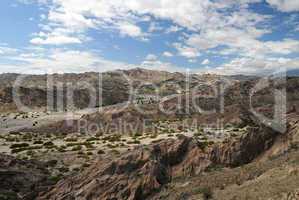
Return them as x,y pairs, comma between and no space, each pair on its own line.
285,5
39,60
228,25
161,66
36,60
151,57
56,40
251,66
6,50
186,51
128,29
167,54
124,16
205,62
173,29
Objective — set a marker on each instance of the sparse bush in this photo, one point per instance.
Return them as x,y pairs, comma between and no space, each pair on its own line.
206,192
49,143
138,134
17,150
202,144
52,163
133,142
71,139
14,133
38,142
87,144
112,138
76,169
30,152
101,152
20,145
11,139
63,169
153,136
180,136
85,165
91,139
111,146
55,179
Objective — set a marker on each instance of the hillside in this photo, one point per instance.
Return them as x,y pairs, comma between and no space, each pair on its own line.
200,142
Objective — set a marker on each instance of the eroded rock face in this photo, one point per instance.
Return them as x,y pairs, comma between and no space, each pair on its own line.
134,176
244,150
22,179
142,172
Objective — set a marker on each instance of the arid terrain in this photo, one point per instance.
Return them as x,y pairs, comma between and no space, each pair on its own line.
145,135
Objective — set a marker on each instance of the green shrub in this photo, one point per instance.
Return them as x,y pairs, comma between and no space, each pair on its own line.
207,193
71,139
111,146
63,169
153,136
101,152
202,144
92,139
49,143
38,142
20,145
87,144
112,138
55,179
85,165
133,142
17,150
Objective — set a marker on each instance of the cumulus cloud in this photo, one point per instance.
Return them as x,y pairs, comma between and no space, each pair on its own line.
36,60
167,54
186,51
205,62
56,40
161,66
151,57
124,16
252,66
223,27
128,29
285,5
173,29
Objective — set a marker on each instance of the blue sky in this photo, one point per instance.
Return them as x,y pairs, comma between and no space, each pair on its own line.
218,36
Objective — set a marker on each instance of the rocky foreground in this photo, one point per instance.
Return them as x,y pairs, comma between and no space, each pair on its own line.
151,172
